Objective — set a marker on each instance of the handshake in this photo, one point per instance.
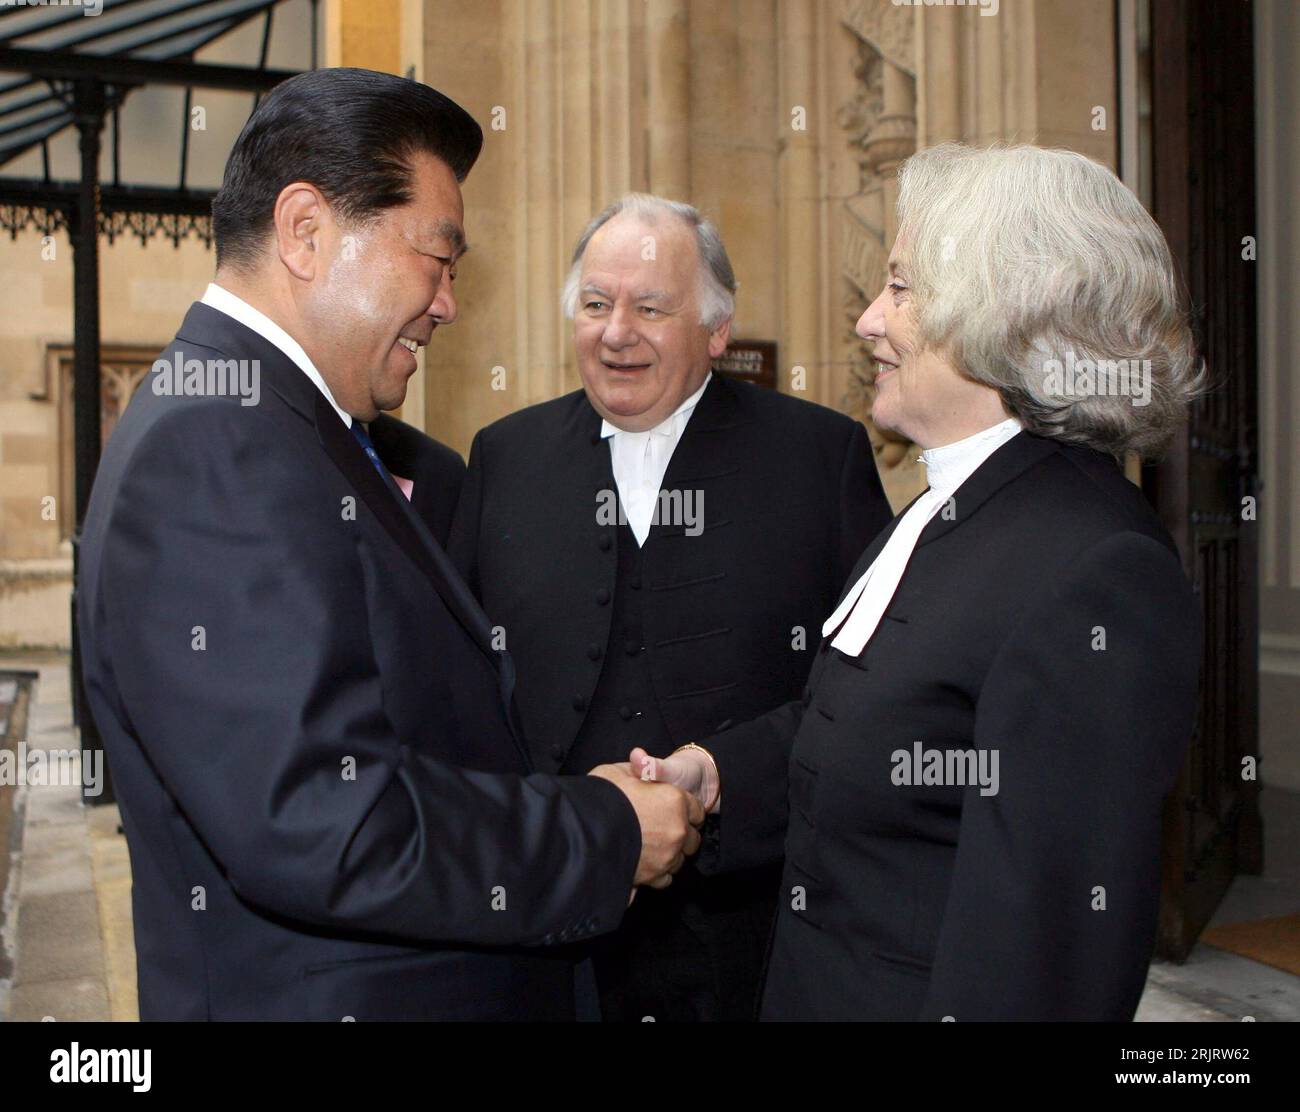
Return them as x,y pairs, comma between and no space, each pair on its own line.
670,796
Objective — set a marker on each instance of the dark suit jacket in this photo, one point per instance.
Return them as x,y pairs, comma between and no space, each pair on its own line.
790,497
326,799
1049,621
435,470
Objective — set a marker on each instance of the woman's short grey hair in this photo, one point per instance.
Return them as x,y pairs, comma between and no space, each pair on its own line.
1040,275
717,286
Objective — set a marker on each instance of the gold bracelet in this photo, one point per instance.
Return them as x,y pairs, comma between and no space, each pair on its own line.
716,772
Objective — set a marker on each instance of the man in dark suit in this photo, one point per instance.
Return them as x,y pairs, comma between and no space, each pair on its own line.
428,473
329,806
739,513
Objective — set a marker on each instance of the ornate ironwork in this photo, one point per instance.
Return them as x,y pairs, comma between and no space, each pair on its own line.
144,225
17,218
86,88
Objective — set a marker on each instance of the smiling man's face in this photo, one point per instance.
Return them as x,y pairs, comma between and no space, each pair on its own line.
642,350
387,286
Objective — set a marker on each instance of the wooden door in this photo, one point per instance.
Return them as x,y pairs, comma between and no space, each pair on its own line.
1203,196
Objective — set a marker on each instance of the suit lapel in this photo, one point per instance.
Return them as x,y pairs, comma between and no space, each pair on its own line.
1016,456
460,600
594,466
403,524
211,328
700,457
696,456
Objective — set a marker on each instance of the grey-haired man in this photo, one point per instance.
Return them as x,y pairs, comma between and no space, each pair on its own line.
661,548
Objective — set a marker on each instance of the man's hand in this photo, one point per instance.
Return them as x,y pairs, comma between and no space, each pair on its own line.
668,817
688,769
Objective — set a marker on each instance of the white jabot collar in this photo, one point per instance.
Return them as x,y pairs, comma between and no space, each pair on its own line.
224,301
640,462
670,425
860,611
947,467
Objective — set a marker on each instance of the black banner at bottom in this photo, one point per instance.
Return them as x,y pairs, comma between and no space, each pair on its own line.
345,1060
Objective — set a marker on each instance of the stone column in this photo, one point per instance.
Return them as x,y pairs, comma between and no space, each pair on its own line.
1032,73
668,107
802,303
938,75
541,198
364,33
892,139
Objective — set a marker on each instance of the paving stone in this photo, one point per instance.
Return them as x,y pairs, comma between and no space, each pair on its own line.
48,804
112,870
1163,1005
55,859
69,1000
58,938
1229,985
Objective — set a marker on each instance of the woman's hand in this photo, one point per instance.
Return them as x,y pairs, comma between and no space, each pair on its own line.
689,769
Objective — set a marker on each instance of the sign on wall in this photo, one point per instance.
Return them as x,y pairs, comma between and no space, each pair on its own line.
749,360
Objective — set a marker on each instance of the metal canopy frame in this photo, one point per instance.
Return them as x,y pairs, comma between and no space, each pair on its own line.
74,71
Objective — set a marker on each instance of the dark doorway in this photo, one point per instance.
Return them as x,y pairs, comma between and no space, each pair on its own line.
1203,196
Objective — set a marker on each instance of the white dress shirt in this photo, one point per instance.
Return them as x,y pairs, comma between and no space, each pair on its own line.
226,302
640,462
946,469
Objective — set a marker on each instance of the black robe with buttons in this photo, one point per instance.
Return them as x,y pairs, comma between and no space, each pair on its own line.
1049,622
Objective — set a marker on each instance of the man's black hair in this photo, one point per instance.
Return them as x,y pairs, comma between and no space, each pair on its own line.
351,133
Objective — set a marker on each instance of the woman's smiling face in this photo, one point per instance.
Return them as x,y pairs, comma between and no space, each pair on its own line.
920,394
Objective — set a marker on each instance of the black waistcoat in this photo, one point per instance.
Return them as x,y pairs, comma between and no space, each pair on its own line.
624,711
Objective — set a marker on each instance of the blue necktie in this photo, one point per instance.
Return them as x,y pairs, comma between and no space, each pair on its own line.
368,446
